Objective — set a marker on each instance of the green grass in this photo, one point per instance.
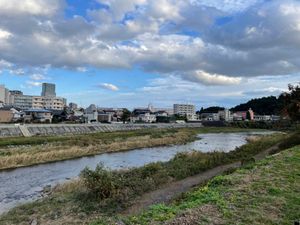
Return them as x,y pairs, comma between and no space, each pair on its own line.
267,192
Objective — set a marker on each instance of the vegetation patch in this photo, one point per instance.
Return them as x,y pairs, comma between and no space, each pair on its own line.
266,193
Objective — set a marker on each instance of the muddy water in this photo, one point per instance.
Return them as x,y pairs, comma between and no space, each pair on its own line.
26,184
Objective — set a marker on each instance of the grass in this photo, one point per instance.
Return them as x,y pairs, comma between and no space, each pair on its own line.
21,151
267,192
79,202
52,149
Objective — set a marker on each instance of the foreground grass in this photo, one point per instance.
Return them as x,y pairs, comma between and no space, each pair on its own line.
20,151
267,192
79,203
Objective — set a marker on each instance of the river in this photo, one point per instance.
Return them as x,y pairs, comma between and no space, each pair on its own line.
26,184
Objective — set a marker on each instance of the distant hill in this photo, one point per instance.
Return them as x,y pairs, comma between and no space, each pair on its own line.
264,106
213,109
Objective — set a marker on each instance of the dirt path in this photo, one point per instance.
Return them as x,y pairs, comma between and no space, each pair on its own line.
171,190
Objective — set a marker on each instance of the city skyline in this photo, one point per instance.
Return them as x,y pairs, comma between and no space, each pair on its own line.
131,53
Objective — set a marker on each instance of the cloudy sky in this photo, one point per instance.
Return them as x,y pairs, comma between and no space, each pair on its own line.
134,52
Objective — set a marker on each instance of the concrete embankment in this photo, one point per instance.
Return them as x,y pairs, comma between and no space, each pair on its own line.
64,129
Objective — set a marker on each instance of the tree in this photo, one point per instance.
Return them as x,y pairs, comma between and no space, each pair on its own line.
263,106
126,115
292,102
248,115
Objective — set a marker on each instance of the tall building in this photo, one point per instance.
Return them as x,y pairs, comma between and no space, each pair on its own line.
48,90
184,109
4,94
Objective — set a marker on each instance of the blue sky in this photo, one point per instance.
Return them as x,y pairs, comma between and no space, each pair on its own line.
129,53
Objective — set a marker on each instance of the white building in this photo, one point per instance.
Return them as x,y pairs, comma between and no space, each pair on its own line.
210,116
184,109
225,115
91,114
56,103
143,118
4,94
22,101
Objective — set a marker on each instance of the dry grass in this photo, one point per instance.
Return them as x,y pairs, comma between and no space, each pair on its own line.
30,155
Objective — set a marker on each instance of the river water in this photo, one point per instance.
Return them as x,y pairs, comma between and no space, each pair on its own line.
26,184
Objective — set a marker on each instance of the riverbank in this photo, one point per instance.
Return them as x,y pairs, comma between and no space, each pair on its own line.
266,192
79,203
21,151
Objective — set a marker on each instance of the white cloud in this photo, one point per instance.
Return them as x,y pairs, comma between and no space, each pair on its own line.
32,7
37,77
33,83
5,34
228,5
212,79
107,86
17,71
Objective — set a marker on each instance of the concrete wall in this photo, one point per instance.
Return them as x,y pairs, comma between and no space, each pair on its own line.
65,129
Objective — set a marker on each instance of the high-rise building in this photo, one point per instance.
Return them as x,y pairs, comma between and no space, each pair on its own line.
184,109
48,90
4,94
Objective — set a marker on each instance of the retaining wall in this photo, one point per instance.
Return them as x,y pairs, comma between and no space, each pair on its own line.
64,129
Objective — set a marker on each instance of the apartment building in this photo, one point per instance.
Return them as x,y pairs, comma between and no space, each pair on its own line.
184,109
48,100
22,101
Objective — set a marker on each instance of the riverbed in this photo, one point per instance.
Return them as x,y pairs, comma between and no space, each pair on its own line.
26,184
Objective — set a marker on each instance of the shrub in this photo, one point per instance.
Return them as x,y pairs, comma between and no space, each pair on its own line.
101,182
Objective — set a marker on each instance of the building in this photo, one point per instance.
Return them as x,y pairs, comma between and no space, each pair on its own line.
91,114
38,115
142,116
210,116
243,115
51,102
225,115
48,90
169,111
48,100
104,118
266,118
73,105
184,109
6,115
12,94
4,94
23,101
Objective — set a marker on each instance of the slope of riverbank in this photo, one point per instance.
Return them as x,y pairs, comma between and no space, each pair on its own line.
267,192
75,203
19,152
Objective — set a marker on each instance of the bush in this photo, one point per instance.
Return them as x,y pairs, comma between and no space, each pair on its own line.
101,182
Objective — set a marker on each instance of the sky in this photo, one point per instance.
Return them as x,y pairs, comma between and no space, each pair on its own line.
129,53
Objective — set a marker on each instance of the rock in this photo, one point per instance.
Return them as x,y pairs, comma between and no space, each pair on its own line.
34,222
